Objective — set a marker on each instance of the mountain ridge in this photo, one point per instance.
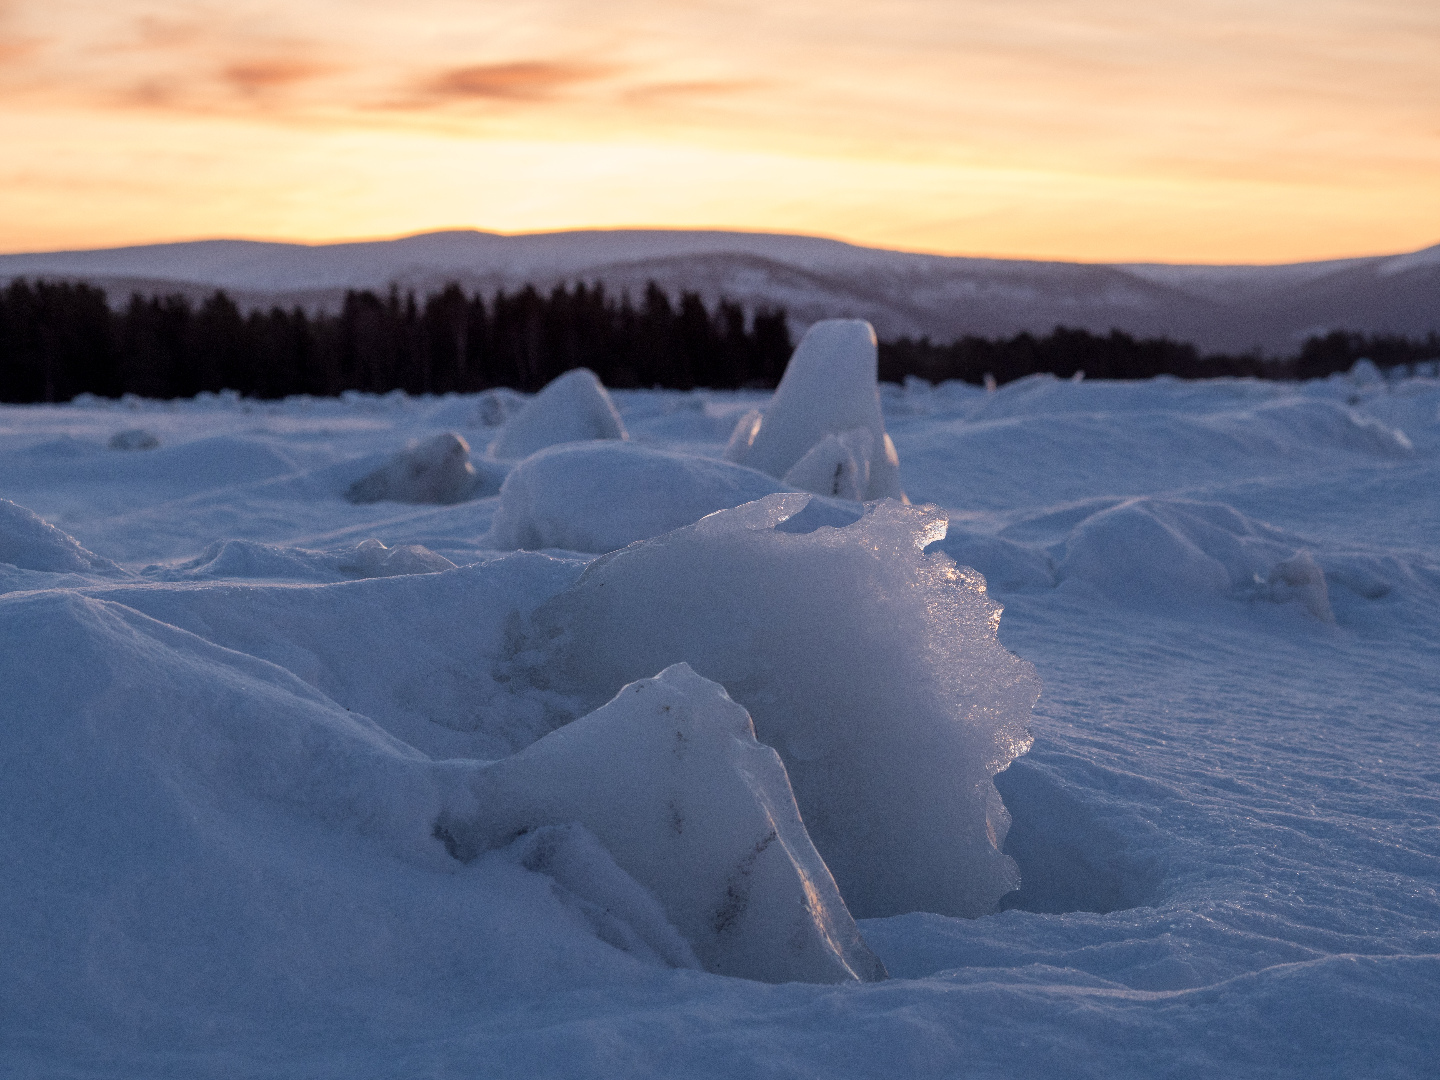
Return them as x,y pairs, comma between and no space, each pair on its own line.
1269,309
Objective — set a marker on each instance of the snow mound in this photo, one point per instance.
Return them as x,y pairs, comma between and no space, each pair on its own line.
30,543
572,408
198,831
248,560
426,656
669,777
599,496
1301,425
871,667
1166,554
829,390
437,470
133,439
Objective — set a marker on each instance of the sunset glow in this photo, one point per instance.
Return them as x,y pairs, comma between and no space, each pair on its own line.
1211,130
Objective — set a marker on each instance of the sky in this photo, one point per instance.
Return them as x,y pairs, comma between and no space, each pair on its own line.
1217,131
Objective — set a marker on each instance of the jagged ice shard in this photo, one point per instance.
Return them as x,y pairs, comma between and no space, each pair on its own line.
871,667
829,390
669,777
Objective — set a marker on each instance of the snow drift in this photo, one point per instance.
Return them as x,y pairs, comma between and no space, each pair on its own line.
870,666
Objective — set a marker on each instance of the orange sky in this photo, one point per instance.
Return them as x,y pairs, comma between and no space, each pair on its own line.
1174,130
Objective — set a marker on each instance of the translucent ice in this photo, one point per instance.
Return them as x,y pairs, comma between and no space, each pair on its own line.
837,465
669,777
829,388
571,408
870,666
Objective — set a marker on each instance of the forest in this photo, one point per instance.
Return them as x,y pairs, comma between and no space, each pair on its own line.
60,339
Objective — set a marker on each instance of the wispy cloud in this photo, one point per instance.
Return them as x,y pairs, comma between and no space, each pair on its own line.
515,80
657,92
256,76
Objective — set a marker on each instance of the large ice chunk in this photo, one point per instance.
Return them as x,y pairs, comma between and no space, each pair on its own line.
599,496
872,667
829,388
437,470
572,408
668,775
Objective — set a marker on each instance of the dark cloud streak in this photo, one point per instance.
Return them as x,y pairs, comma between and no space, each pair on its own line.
251,77
518,80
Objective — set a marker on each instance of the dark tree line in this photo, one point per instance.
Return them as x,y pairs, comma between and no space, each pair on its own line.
1118,355
58,340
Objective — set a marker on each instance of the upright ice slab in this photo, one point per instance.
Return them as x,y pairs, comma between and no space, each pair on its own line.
871,667
668,775
572,408
829,389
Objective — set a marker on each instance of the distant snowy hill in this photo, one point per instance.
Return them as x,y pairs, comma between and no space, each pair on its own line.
1218,307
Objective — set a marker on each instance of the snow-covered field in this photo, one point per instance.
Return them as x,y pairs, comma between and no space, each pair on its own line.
279,800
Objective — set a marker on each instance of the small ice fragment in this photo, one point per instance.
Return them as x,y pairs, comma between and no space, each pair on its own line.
133,439
1303,580
837,465
372,559
741,439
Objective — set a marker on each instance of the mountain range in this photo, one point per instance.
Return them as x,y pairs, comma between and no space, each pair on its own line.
1269,309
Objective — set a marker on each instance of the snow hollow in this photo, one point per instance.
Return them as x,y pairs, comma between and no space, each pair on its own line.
1070,729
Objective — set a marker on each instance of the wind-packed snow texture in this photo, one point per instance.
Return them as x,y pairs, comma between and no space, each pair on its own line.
252,731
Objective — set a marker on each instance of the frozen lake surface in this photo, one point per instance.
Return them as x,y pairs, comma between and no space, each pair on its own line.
248,754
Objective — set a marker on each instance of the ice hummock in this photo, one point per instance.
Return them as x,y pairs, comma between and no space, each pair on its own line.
437,470
601,495
572,408
828,391
871,667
